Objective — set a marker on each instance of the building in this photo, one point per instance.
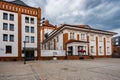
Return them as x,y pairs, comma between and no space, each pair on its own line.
79,41
19,23
116,46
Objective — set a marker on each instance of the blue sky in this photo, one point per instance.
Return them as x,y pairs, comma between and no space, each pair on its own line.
100,14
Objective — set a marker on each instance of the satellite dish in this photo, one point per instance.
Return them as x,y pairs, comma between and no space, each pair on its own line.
46,35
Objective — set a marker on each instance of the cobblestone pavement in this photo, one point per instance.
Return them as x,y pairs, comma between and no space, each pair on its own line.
97,69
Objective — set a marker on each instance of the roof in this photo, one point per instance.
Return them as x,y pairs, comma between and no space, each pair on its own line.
72,40
17,2
86,28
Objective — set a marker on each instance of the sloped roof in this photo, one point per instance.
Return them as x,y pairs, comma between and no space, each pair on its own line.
19,2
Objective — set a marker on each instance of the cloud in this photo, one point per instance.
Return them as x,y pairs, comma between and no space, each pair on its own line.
101,14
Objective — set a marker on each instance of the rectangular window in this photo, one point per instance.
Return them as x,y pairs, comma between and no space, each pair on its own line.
92,49
11,17
82,36
5,26
100,49
32,39
27,39
8,49
5,37
32,29
32,20
100,38
57,39
12,38
108,49
26,28
71,35
26,19
92,38
11,27
5,16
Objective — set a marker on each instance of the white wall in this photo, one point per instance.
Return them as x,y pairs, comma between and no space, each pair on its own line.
15,33
30,45
52,53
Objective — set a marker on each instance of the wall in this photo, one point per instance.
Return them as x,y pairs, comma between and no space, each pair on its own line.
52,53
15,33
30,45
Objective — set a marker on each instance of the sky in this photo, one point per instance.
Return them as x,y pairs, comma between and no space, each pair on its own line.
99,14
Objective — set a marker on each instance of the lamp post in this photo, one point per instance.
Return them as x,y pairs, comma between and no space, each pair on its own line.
24,52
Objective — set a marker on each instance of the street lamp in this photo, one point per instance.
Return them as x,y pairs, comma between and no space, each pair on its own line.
24,52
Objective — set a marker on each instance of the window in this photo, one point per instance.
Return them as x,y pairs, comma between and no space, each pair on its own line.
82,36
57,38
27,38
32,29
108,39
11,27
5,16
92,49
5,37
71,35
32,39
12,38
108,49
100,49
26,19
92,37
26,28
5,26
32,20
116,43
100,38
11,17
116,39
8,49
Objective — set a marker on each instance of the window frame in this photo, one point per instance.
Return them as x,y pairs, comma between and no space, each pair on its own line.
11,38
27,39
5,16
5,37
32,39
32,20
11,28
32,29
5,27
27,29
26,19
8,49
11,17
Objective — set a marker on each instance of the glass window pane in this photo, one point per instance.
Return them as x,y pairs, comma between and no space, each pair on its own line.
12,17
32,29
5,16
12,27
5,26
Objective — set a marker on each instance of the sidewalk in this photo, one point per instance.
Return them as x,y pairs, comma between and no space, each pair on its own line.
98,69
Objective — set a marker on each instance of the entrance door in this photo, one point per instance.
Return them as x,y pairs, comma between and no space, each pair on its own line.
29,55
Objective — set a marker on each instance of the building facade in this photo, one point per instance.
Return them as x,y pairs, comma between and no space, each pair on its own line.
116,46
80,40
19,23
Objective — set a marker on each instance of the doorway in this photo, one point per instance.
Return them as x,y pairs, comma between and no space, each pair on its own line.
29,55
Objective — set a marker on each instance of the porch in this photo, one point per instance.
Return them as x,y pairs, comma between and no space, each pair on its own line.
77,49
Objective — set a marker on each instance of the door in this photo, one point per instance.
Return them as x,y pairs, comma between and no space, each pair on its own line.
29,55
